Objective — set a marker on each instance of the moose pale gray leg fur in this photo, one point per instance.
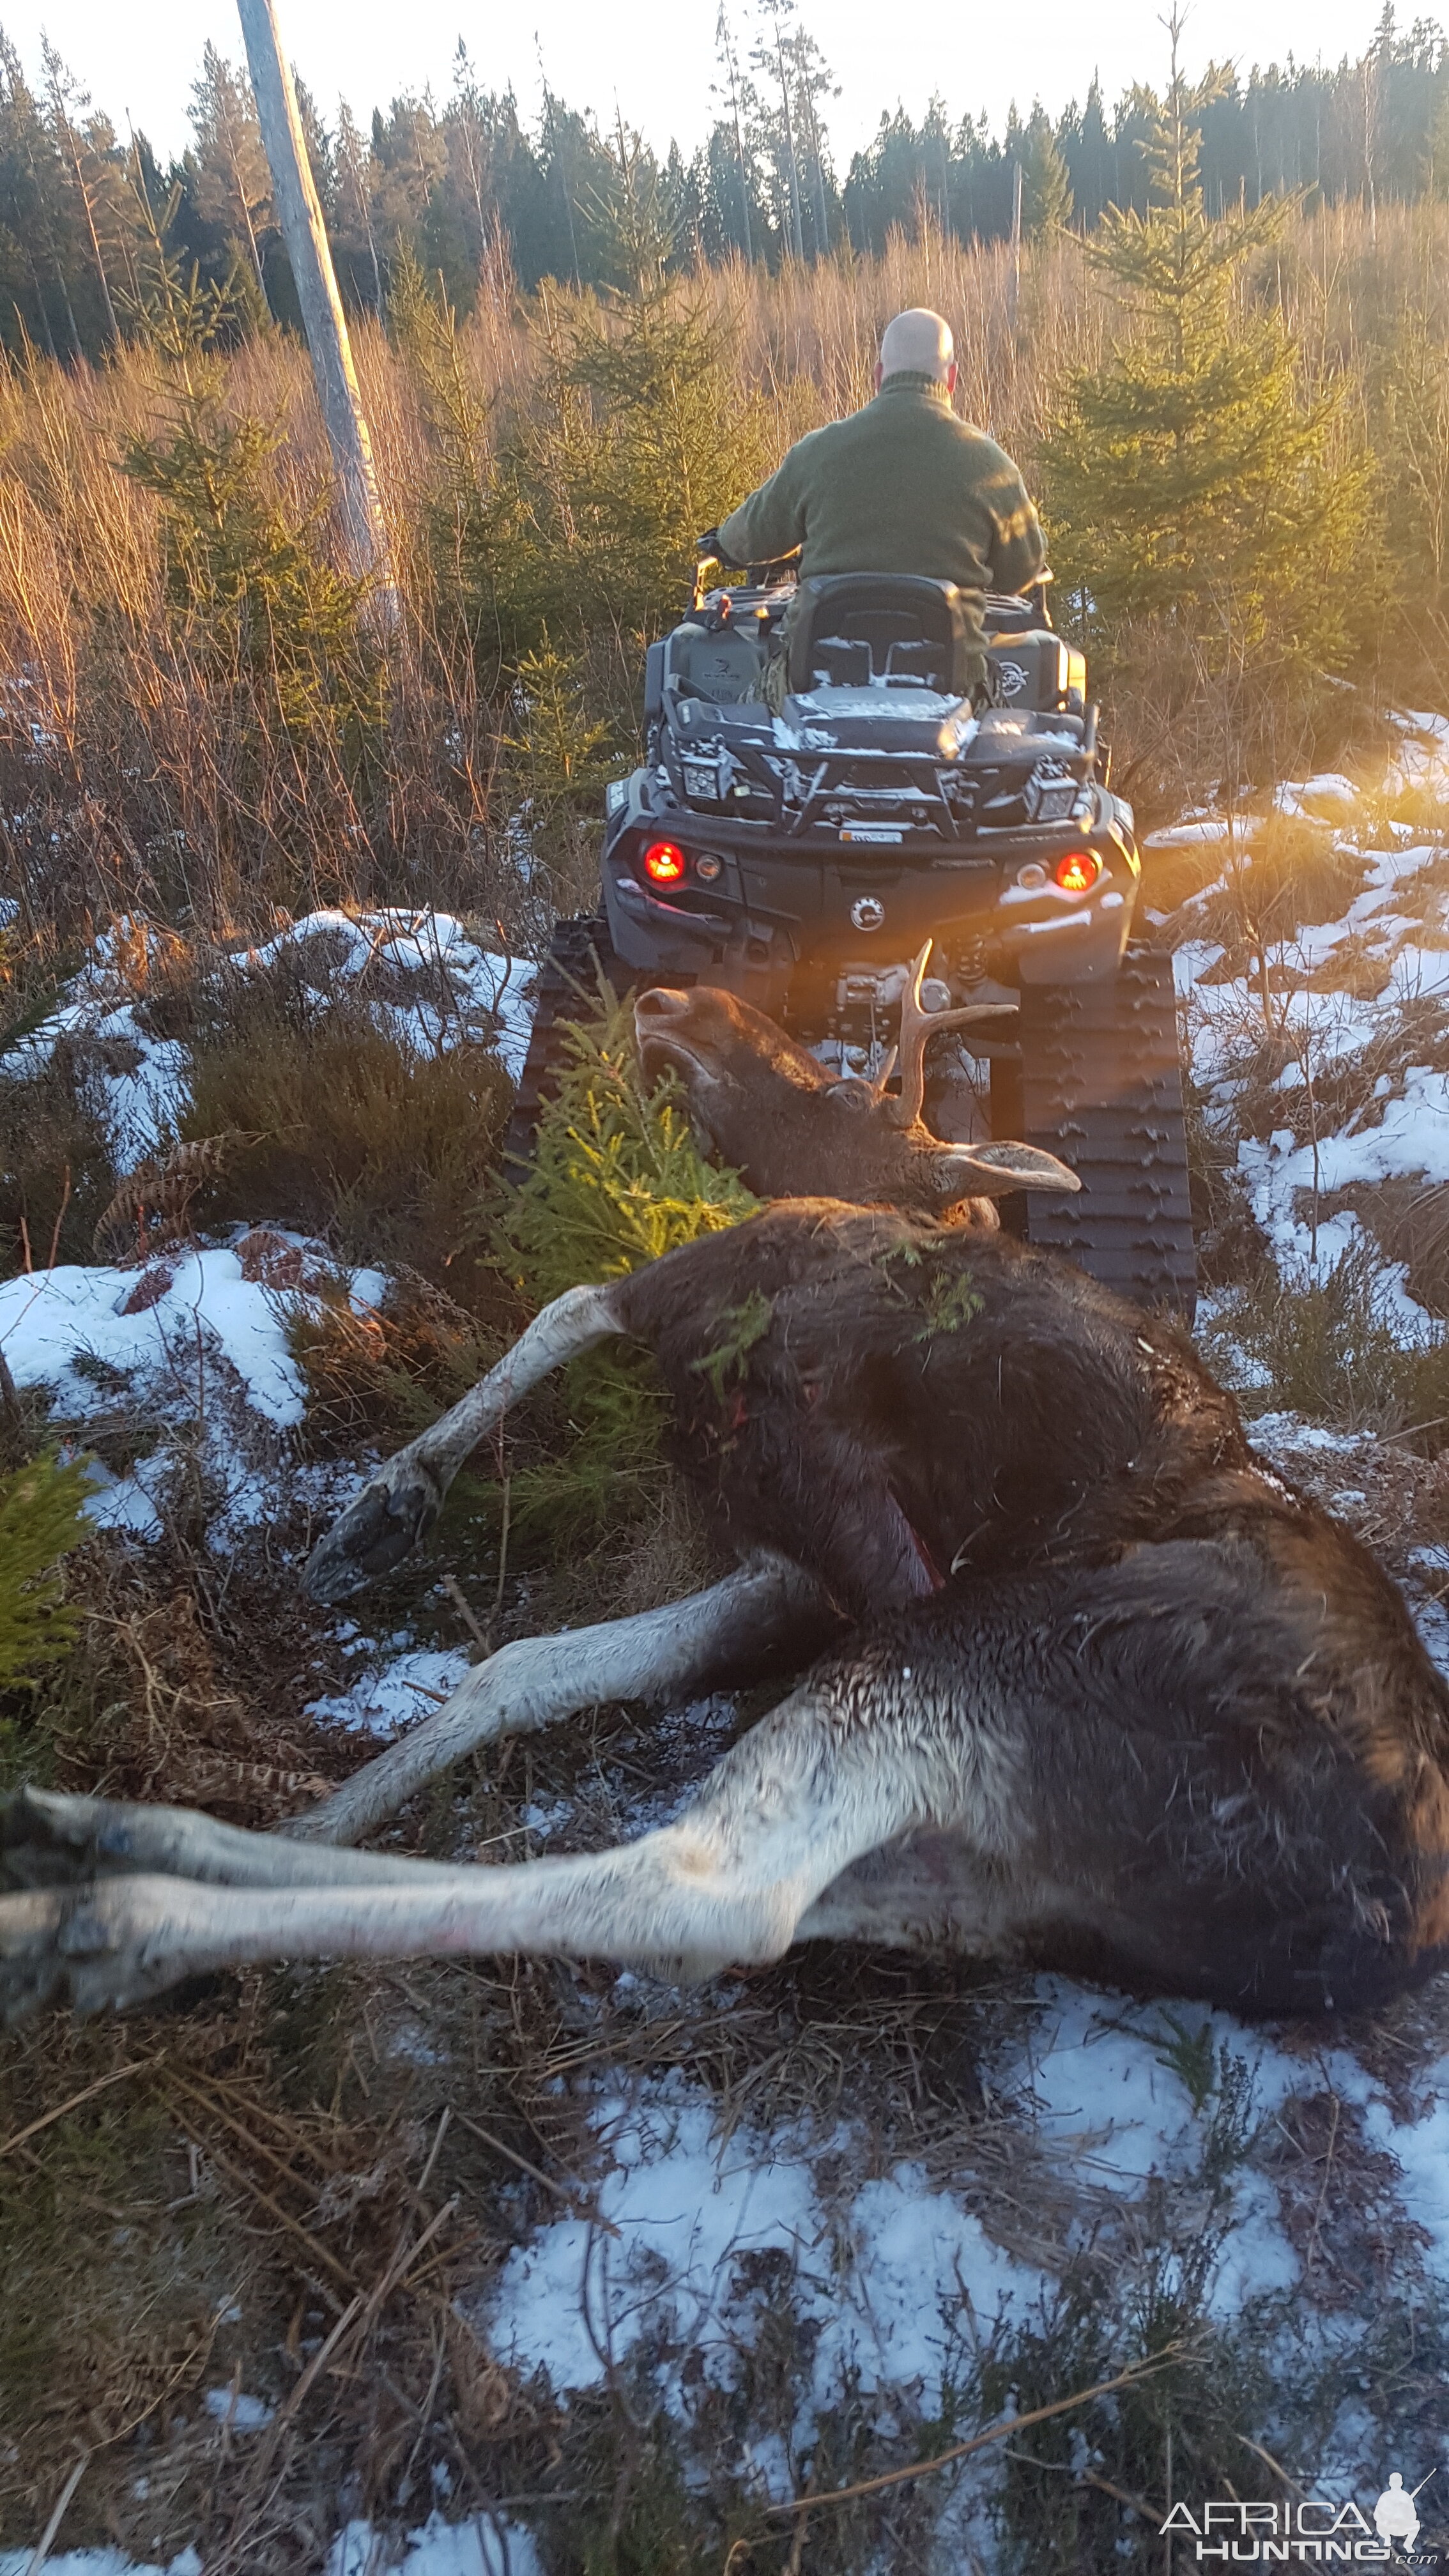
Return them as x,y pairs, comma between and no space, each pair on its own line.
806,1793
49,1839
535,1681
402,1501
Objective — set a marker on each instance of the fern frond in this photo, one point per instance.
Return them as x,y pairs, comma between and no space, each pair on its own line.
41,1520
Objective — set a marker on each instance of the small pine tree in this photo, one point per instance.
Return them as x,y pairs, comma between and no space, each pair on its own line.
1195,482
1408,388
560,757
616,1181
637,440
247,582
1046,188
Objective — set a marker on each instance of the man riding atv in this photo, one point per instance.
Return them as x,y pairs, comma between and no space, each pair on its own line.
894,756
902,486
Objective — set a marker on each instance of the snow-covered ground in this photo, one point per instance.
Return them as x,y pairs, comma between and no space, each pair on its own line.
423,979
1374,974
483,2546
195,1347
1121,2125
196,1341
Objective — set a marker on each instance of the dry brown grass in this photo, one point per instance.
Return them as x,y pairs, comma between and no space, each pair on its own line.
57,1174
342,1134
118,745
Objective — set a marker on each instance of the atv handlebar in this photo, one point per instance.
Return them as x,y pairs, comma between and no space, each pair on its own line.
711,556
710,553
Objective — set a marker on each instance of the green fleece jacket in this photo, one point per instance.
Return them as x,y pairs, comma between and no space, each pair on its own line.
901,486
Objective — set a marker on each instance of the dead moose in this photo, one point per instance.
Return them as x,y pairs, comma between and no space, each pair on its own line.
1098,1690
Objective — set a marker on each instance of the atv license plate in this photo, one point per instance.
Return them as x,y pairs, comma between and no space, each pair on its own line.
872,832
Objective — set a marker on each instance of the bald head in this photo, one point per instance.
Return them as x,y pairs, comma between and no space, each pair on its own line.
918,343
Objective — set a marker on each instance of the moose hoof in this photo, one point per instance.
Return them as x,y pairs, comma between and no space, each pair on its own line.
33,1970
375,1533
113,1944
46,1840
58,1946
49,1839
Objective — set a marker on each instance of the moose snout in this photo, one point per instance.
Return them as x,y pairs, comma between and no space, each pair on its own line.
657,1033
659,1003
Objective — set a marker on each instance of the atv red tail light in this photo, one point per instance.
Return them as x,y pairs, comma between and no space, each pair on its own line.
1078,872
665,862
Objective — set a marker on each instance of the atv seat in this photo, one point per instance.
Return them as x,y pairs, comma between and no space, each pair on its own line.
719,662
860,629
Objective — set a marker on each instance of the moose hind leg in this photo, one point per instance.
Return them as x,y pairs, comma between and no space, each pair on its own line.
50,1839
786,1811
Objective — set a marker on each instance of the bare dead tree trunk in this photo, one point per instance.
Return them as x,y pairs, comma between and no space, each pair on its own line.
112,325
309,251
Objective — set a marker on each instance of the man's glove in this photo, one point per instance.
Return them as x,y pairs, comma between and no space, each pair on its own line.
712,543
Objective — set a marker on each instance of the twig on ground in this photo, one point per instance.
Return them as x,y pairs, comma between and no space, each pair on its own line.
1275,2465
41,2551
1311,2256
325,2260
47,2119
1134,2503
59,1218
464,1608
980,2441
486,2138
438,2137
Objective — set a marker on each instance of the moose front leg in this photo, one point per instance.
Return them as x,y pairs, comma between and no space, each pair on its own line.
400,1504
763,1609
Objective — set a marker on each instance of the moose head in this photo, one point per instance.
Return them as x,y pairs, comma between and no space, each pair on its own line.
763,1103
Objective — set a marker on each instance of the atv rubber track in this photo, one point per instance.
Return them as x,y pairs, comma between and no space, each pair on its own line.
1101,1085
579,951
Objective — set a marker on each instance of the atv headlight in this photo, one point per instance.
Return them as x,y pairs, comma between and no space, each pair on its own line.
1051,794
701,779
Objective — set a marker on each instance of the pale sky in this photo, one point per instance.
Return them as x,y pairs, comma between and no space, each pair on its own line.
658,55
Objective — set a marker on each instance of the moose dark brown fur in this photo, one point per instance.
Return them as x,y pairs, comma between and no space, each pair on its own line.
1114,1698
764,1104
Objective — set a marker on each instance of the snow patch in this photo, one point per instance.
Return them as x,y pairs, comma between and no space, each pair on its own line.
425,981
190,1346
396,1695
462,990
689,2231
67,1327
485,2546
241,2414
98,2562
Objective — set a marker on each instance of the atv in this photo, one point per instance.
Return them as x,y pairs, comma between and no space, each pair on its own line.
800,859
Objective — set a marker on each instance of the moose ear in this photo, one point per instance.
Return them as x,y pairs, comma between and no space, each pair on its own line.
993,1171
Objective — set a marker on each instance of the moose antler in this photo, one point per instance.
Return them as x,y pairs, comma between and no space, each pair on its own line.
917,1026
